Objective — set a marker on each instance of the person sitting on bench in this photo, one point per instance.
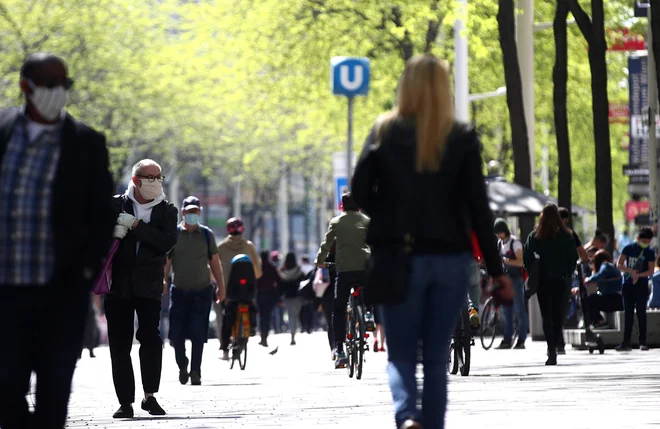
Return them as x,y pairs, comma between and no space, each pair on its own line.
607,278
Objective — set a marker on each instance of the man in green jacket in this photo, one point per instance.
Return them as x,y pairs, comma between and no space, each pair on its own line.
348,231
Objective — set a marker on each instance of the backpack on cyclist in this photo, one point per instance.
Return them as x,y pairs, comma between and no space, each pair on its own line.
242,284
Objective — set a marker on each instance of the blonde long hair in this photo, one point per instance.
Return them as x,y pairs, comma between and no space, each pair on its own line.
425,96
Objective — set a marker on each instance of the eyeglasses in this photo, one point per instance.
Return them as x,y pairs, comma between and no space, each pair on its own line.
152,179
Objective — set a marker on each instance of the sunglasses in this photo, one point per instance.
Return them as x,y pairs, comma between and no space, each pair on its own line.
54,83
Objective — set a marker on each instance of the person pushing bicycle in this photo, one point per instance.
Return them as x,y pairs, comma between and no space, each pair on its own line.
348,232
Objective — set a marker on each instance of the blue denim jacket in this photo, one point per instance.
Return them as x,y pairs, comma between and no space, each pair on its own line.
654,301
608,279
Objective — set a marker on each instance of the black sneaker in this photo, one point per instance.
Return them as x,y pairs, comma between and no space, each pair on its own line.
504,346
195,378
552,360
152,407
623,348
124,412
183,376
520,345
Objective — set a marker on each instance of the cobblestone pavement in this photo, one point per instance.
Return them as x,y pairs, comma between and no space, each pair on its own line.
298,388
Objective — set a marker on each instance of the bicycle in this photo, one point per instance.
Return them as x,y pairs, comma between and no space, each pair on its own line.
239,337
490,322
356,334
460,345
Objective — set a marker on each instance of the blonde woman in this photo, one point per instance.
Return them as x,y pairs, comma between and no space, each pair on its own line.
420,180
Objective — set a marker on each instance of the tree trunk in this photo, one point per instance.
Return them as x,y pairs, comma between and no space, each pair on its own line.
560,81
598,63
514,95
655,24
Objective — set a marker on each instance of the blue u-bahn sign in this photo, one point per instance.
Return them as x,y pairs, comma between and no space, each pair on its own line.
349,76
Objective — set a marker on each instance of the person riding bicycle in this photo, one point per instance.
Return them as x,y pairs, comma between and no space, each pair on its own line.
511,251
233,245
348,232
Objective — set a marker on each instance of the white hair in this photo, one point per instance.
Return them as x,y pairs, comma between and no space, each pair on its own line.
143,163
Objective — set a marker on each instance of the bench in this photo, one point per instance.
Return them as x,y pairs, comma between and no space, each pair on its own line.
613,335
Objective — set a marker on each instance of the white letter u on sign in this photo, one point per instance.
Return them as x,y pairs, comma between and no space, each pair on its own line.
346,82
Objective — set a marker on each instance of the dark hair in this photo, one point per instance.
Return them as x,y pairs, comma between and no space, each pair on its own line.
550,224
601,257
265,256
564,213
646,233
348,203
290,262
35,60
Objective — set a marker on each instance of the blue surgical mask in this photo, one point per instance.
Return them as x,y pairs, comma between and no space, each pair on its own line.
192,219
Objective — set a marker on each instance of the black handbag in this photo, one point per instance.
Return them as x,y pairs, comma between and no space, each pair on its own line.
534,274
388,273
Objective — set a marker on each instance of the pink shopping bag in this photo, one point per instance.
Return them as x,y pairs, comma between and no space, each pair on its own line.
104,280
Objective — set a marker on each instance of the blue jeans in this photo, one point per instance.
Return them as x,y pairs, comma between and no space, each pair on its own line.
437,288
189,318
519,309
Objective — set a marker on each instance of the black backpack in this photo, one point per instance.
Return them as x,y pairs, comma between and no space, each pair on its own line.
242,284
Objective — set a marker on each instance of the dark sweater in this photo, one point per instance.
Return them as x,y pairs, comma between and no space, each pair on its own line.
270,278
558,255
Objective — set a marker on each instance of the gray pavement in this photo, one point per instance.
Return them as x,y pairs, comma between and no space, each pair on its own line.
298,388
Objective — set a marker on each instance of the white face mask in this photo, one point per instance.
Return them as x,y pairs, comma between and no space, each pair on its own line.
150,190
49,102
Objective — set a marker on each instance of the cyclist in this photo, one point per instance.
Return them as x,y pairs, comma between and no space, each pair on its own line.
348,232
511,251
234,244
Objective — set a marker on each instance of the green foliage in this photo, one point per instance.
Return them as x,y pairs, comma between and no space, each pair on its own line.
236,88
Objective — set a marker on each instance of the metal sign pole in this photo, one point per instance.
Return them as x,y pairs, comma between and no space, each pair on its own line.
653,148
349,144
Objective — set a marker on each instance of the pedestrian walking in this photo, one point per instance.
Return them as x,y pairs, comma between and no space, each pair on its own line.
511,251
234,244
192,259
420,181
291,276
147,227
552,242
267,295
55,230
637,262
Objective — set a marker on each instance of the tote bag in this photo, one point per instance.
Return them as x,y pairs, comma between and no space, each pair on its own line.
104,279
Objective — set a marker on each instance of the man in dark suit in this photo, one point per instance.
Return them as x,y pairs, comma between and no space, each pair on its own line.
55,230
147,227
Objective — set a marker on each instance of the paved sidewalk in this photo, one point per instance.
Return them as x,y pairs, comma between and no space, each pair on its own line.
298,388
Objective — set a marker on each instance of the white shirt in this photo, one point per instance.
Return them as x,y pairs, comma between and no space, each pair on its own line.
35,129
506,246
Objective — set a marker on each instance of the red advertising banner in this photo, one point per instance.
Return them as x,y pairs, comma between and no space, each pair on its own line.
636,208
626,42
619,113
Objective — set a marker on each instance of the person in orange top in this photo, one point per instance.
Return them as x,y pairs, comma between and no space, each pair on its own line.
474,291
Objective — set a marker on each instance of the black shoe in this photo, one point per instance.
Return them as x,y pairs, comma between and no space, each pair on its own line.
151,405
561,350
552,360
623,348
91,354
124,412
195,378
520,345
264,342
183,376
503,346
293,342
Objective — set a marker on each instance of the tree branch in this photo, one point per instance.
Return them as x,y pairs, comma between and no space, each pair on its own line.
5,14
433,29
406,45
582,19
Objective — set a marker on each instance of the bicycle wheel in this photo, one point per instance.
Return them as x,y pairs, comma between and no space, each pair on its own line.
489,320
242,362
466,342
350,342
360,342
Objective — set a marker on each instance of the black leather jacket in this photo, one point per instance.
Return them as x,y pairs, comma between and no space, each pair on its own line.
141,273
438,209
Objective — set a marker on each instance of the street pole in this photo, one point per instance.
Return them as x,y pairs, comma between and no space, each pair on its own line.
461,79
653,103
525,43
175,181
237,198
283,210
349,144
